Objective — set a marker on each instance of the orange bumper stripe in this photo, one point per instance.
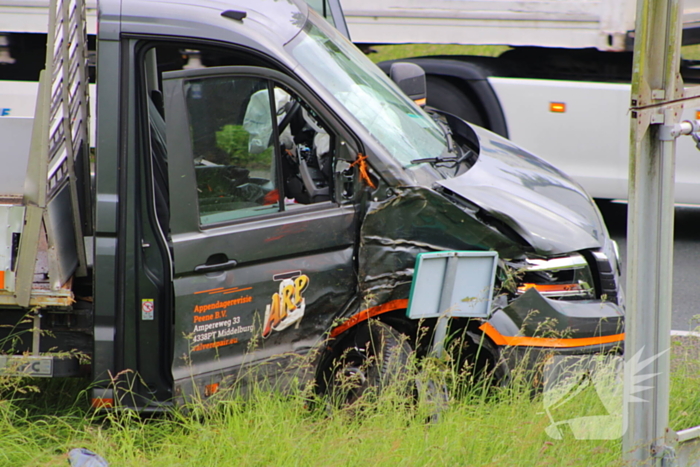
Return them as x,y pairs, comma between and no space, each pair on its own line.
551,287
558,343
364,315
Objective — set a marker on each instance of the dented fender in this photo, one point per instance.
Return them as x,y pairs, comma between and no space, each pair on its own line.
416,220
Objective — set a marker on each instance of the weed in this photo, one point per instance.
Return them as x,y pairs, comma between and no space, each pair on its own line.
260,425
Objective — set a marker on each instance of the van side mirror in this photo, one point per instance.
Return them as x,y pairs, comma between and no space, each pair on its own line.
411,79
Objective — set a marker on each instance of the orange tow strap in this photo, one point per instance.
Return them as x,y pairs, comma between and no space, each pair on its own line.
361,163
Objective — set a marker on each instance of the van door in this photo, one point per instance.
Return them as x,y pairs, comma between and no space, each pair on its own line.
262,236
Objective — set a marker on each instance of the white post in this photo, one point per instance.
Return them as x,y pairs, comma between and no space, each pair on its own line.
655,82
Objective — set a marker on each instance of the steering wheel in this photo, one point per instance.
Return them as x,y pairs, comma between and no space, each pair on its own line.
291,111
293,108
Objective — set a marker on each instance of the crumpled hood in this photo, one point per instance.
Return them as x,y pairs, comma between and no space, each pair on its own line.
548,209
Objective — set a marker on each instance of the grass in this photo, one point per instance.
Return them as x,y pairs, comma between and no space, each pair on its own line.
278,430
691,52
392,52
685,382
502,426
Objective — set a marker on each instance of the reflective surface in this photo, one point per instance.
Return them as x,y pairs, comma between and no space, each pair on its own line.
393,119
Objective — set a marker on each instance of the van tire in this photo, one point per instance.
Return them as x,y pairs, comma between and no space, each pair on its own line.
375,359
479,363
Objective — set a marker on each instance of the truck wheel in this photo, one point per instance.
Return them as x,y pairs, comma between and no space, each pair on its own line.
445,96
375,359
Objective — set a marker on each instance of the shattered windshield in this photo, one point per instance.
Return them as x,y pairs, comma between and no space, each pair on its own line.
405,130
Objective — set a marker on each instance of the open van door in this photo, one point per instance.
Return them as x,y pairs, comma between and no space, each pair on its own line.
262,234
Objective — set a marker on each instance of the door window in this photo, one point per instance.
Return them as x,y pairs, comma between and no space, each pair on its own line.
233,155
257,148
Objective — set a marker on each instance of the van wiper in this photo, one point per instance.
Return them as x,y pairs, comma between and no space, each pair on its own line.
445,131
449,162
439,160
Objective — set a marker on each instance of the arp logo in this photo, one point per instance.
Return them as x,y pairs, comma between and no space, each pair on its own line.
288,304
5,112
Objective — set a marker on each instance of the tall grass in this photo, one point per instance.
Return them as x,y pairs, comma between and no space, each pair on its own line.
274,430
684,398
485,426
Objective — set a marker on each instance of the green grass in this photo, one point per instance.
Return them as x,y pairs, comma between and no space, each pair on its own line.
277,430
685,381
392,52
690,52
503,426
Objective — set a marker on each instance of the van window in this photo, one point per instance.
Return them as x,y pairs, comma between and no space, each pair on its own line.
233,155
257,148
396,122
323,9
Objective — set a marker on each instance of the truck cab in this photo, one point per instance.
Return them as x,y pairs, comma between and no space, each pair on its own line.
262,192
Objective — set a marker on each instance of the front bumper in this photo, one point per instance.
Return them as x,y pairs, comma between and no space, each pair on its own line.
533,326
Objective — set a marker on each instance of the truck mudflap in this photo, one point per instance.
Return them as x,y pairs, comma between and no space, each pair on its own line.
533,321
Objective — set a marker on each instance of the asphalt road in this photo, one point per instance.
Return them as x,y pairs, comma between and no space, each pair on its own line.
686,261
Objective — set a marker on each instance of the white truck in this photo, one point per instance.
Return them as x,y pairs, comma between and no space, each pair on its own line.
562,91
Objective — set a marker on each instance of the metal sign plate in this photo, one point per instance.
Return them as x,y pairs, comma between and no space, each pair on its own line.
453,283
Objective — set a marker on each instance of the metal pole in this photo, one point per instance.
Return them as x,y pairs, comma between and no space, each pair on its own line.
448,285
655,81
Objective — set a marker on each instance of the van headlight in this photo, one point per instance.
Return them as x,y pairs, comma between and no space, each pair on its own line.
567,277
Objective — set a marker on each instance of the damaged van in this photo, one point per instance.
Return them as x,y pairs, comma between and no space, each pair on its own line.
262,191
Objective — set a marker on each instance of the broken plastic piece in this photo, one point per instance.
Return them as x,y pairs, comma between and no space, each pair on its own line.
81,457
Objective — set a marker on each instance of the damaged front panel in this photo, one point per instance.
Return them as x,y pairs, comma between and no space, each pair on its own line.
416,220
563,308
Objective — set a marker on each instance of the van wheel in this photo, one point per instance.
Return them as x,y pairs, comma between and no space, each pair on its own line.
373,360
447,97
479,363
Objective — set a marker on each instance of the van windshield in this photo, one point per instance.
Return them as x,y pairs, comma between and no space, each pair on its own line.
404,129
